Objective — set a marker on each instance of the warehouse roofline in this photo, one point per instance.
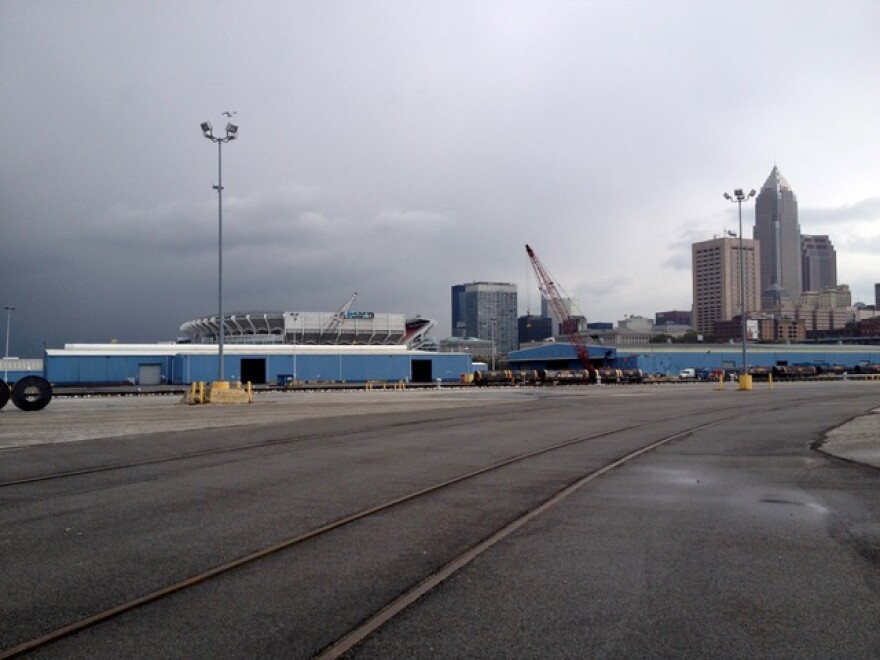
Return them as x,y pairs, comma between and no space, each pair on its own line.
74,350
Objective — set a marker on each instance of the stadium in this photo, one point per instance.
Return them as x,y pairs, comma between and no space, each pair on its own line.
344,327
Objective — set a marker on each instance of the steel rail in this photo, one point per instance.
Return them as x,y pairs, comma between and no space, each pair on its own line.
399,604
110,613
216,451
371,625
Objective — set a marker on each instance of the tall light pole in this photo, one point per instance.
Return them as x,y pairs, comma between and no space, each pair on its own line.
739,198
9,310
493,344
231,134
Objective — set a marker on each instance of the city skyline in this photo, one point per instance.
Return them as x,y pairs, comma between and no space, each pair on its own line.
396,148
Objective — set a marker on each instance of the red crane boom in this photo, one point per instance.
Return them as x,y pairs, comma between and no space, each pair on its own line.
569,328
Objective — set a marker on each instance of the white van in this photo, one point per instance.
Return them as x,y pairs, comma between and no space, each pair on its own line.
687,373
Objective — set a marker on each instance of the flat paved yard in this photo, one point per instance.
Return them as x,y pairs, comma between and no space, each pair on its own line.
734,538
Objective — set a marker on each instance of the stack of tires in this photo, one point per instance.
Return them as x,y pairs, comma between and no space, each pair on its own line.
29,393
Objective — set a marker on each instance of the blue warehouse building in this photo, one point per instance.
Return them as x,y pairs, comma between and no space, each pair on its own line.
670,359
181,364
560,355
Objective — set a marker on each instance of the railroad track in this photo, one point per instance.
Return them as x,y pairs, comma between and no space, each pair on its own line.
717,415
244,450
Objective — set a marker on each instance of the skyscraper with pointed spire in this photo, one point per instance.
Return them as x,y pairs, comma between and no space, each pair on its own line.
779,233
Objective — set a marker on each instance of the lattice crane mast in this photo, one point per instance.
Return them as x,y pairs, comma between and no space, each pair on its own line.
560,310
339,316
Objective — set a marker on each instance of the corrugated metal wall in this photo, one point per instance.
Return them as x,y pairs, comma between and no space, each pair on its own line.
185,369
11,369
101,369
670,363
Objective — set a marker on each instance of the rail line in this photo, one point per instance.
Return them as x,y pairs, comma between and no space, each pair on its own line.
219,451
105,615
357,635
371,625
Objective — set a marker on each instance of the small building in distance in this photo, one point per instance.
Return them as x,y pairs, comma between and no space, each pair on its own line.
674,317
762,327
534,328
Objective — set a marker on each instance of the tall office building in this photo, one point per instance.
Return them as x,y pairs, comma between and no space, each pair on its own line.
777,229
819,263
490,313
459,323
716,281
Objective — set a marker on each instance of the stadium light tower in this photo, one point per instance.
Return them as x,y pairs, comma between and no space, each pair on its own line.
9,309
739,198
231,134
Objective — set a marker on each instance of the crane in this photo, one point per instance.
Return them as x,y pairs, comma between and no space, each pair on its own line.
339,316
569,328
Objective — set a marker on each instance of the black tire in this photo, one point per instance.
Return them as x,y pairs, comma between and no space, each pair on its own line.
31,393
4,393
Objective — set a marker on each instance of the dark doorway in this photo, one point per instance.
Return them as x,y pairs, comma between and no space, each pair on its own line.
253,370
421,371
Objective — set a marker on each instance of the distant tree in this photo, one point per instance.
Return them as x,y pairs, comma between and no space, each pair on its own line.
661,338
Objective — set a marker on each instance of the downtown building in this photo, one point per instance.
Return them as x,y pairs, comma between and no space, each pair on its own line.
490,310
459,311
533,328
819,263
779,233
716,281
823,310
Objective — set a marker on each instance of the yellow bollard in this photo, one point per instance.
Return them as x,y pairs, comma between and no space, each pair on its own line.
770,381
196,393
745,382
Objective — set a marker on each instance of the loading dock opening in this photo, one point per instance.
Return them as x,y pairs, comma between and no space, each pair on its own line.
149,374
253,370
422,371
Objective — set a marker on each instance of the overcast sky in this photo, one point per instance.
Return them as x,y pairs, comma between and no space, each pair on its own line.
395,148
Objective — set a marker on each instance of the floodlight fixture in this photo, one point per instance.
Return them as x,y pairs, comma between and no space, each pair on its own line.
738,193
207,129
231,130
726,196
752,192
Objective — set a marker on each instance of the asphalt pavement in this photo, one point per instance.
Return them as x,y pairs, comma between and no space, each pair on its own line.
735,539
